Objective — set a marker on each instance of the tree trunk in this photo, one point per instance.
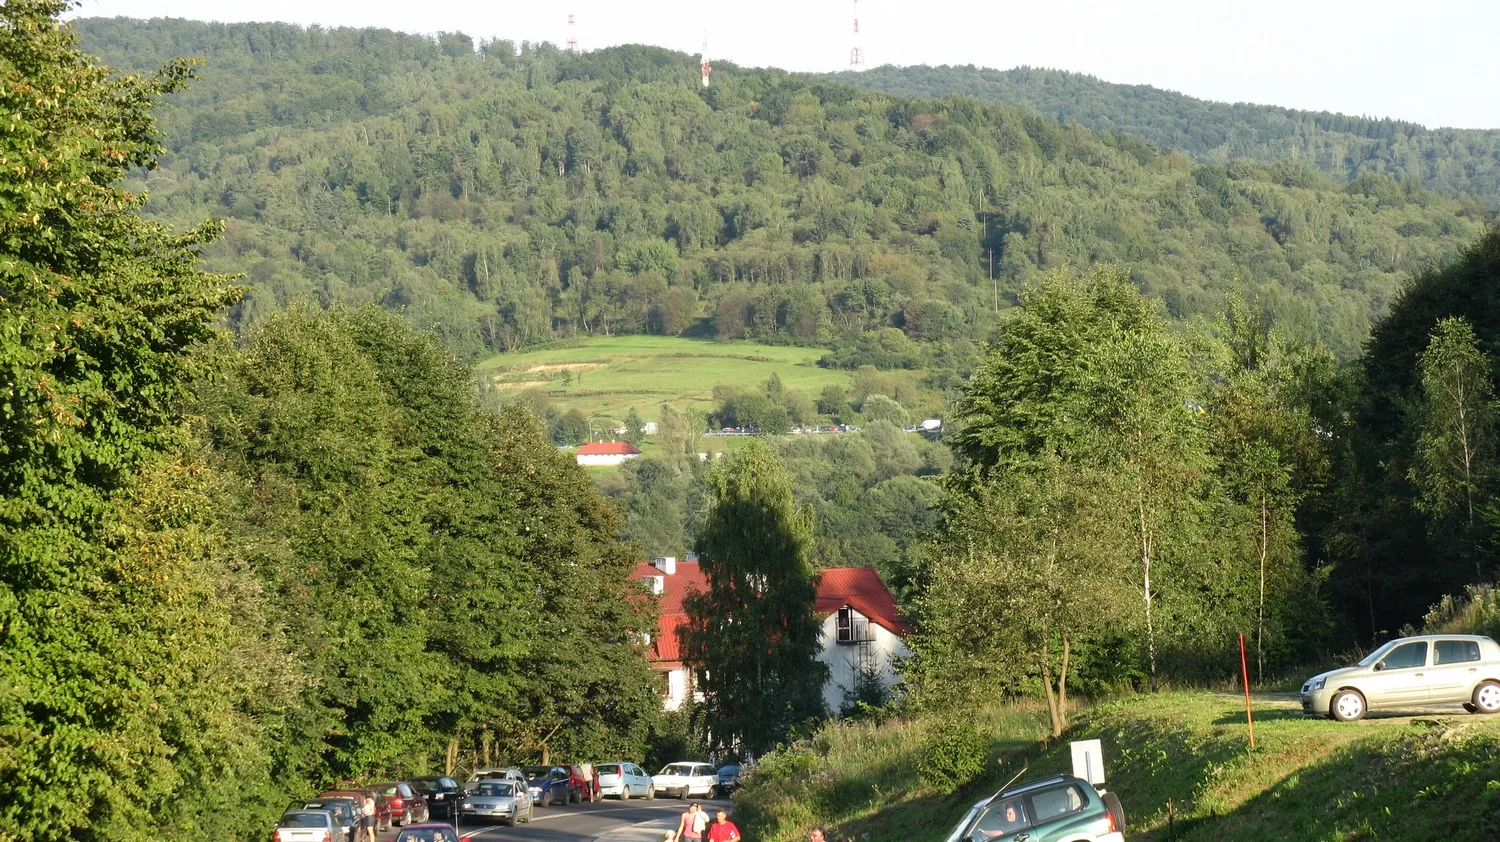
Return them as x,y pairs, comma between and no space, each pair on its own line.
451,761
1260,608
1146,586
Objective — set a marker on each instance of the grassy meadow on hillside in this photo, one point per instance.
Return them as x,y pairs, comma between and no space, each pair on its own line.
608,376
1391,778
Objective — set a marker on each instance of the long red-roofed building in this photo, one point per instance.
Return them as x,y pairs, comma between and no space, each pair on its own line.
862,626
606,452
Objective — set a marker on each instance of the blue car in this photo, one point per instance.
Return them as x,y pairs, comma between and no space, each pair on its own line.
548,784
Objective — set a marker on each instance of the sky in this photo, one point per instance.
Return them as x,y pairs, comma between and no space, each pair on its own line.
1433,62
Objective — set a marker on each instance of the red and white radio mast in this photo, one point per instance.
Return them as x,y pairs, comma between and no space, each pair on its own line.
856,55
704,57
572,35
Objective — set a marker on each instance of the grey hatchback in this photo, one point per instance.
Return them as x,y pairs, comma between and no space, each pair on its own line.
1429,669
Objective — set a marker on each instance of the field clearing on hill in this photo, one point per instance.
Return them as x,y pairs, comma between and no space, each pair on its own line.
607,376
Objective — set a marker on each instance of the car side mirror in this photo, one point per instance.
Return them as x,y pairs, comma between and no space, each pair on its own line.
1380,665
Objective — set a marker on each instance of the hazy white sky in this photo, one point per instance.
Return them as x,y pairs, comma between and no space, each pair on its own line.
1432,61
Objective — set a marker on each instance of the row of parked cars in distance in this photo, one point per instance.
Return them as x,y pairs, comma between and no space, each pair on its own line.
509,795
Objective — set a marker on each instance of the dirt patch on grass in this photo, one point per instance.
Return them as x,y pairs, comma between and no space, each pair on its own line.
551,367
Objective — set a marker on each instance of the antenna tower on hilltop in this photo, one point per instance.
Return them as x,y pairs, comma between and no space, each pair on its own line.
572,35
704,57
856,55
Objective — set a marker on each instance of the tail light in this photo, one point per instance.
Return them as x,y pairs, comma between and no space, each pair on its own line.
398,803
1113,827
327,836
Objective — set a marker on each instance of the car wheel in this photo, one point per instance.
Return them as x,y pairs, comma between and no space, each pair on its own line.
1349,706
624,792
547,798
1487,697
1112,803
651,793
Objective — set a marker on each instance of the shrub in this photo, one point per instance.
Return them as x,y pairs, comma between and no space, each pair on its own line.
1476,612
954,758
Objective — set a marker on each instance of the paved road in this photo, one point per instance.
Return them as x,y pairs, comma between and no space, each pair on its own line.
583,823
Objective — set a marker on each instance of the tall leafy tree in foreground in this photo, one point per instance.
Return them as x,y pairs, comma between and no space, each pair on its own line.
108,626
753,637
1454,461
1086,378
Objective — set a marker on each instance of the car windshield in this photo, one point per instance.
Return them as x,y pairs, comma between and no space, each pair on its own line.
305,820
608,768
386,789
1377,654
422,834
677,769
537,771
729,770
497,789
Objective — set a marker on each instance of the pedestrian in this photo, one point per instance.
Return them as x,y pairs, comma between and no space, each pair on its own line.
815,835
368,809
692,823
723,830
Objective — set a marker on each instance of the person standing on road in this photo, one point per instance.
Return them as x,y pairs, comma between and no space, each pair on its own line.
723,830
690,826
368,809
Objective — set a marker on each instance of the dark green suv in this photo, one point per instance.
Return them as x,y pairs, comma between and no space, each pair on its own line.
1060,809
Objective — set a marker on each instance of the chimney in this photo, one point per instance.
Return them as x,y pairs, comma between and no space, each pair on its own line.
666,564
691,557
658,584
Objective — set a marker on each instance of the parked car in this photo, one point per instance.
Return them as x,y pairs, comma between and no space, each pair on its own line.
583,784
1058,809
495,773
443,794
547,784
728,778
307,826
507,801
624,781
428,833
1429,669
405,804
344,811
382,809
686,779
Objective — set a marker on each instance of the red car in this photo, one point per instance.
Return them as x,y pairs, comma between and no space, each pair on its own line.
382,809
583,784
406,805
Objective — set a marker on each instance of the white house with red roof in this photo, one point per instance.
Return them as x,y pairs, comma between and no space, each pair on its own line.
606,452
862,627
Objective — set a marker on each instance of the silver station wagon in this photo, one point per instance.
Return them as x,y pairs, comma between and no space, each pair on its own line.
1430,669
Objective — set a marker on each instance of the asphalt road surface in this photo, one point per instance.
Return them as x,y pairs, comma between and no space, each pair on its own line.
574,822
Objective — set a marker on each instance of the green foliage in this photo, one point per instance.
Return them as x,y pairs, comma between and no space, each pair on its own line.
1393,558
115,637
753,637
955,756
506,200
1453,162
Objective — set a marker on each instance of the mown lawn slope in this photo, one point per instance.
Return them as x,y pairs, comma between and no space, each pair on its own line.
1401,779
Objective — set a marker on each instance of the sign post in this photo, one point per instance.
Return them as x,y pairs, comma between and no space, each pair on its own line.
1245,682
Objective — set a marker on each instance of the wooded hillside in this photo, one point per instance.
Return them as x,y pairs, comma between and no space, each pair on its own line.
509,197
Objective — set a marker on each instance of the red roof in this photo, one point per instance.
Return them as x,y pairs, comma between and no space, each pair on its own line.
608,448
859,588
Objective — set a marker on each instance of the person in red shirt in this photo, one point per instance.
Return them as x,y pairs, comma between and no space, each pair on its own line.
723,830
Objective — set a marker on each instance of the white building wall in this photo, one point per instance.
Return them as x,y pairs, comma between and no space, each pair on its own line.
677,684
596,459
843,659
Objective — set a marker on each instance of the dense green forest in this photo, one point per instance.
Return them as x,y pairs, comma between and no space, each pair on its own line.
234,573
1453,162
506,197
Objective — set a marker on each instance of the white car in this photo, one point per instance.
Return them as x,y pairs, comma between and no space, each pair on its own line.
686,780
623,781
494,773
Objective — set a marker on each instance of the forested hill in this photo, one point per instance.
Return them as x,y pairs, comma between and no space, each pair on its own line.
1454,162
507,197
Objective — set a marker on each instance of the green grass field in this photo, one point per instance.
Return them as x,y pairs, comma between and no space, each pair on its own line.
1180,763
608,376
